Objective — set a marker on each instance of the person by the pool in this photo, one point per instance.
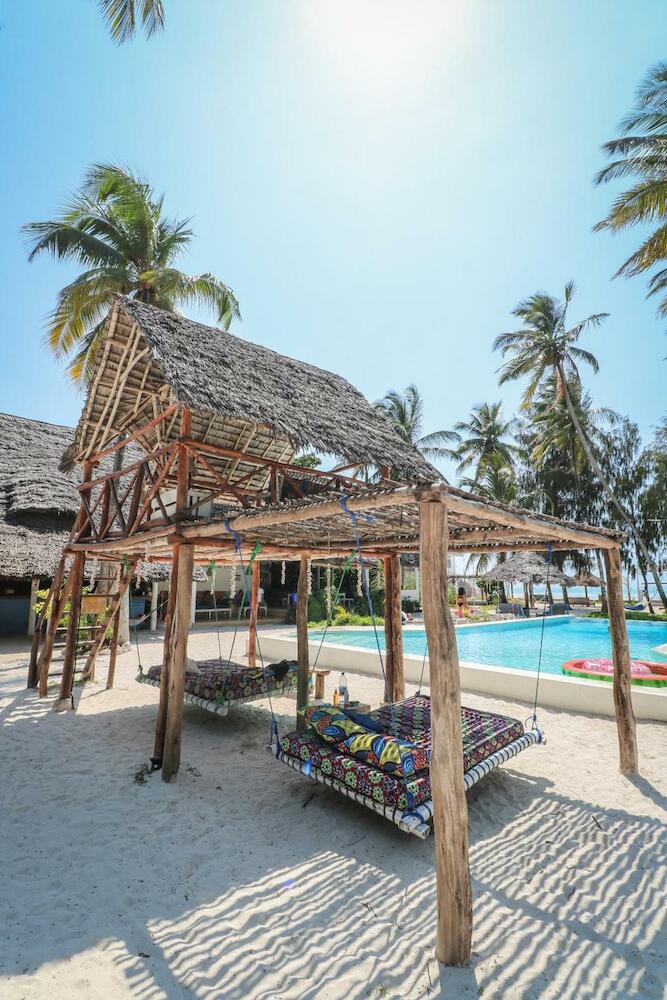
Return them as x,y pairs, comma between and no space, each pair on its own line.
462,608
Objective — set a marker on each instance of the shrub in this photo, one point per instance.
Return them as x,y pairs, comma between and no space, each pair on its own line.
634,616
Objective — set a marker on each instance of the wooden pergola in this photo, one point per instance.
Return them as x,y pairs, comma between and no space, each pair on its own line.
195,498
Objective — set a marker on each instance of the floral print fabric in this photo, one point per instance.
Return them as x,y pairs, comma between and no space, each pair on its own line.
224,683
484,733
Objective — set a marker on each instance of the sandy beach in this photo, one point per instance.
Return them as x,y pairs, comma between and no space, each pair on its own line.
244,881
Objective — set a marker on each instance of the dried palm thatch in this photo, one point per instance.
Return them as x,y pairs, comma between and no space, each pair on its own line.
527,567
587,580
242,396
38,502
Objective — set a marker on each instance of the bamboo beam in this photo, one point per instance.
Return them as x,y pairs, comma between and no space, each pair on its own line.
302,644
625,717
161,721
171,757
395,679
252,625
450,811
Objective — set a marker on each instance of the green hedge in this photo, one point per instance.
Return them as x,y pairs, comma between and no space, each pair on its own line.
635,616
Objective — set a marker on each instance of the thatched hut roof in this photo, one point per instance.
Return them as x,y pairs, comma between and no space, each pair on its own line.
242,396
527,567
587,580
38,502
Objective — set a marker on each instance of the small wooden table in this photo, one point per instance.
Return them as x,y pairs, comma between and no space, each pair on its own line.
319,683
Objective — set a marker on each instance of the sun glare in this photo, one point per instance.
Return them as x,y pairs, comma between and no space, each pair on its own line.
383,46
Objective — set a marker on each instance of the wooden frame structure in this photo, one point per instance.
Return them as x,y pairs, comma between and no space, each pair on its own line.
298,514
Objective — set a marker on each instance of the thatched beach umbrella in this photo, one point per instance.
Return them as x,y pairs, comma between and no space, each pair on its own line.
587,580
527,568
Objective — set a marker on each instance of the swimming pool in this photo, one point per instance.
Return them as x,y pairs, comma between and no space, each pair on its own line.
516,644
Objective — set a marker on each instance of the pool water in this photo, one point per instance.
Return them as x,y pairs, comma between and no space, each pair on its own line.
517,644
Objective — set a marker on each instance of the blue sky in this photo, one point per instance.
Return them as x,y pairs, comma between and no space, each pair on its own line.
380,183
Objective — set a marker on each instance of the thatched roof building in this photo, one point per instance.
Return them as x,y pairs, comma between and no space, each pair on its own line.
527,567
243,397
38,502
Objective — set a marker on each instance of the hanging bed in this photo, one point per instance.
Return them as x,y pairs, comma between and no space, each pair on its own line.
217,685
381,759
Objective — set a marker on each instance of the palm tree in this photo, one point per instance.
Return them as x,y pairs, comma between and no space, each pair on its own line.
483,439
552,430
121,17
115,229
544,349
640,154
405,411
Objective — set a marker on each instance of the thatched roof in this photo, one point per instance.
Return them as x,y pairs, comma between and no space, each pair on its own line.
38,502
587,580
527,567
243,396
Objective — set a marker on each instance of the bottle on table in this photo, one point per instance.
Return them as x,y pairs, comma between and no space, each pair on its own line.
343,692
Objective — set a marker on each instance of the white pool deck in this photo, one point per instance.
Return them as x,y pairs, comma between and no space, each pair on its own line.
567,693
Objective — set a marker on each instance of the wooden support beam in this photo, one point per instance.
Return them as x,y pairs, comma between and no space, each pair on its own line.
59,599
161,721
113,651
171,757
625,717
302,644
136,434
393,627
252,622
450,810
67,679
54,590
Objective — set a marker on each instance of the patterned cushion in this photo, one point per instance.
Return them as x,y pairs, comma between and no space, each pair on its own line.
381,750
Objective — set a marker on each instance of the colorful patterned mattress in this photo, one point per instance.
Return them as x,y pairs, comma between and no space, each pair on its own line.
225,683
484,734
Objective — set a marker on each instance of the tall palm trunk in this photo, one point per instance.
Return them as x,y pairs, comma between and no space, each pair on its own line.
595,466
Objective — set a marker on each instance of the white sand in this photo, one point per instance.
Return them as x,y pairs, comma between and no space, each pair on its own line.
244,881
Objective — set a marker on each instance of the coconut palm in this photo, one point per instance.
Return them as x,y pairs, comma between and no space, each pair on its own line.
405,411
121,17
640,155
551,428
114,227
545,351
484,439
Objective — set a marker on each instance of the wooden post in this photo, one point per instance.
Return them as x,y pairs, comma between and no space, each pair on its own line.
302,644
171,757
182,476
113,652
625,717
393,627
450,810
67,679
58,602
252,635
161,721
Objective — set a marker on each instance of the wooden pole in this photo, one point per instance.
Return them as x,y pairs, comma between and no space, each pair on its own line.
625,717
388,629
302,644
450,810
161,721
171,757
154,605
252,635
113,652
32,614
59,600
67,679
393,630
